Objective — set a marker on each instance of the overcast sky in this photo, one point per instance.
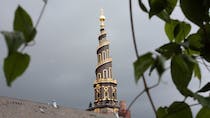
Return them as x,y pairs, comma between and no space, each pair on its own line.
63,60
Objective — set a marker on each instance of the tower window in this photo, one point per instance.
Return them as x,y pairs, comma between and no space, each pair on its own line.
110,72
107,53
99,57
105,73
104,55
99,75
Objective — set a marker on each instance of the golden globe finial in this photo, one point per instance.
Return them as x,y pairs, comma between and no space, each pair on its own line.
102,19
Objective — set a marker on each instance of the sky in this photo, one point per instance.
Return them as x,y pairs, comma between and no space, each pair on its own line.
63,59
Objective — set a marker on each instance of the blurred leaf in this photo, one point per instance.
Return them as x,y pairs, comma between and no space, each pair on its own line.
171,4
13,40
169,29
176,30
158,65
181,30
205,88
142,64
23,23
195,42
195,10
170,49
175,110
164,16
162,112
197,71
15,65
203,113
205,34
179,110
156,6
165,13
204,101
142,6
181,72
45,1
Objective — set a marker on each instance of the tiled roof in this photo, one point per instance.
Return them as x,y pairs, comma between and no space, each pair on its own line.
17,108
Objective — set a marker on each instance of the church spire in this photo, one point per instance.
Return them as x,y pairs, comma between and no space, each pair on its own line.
105,86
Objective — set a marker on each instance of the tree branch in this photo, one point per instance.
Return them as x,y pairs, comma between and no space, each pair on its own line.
139,95
137,55
41,14
149,95
134,100
132,29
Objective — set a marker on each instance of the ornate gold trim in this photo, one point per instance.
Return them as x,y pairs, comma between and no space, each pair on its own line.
104,61
107,80
103,43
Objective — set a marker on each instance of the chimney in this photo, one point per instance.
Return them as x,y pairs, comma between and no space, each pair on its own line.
123,112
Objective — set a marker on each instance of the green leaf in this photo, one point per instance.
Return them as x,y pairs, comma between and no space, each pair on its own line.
205,34
142,64
197,71
15,65
195,42
181,72
164,16
179,110
156,6
176,30
169,29
203,113
158,65
13,40
162,112
23,23
165,13
204,101
175,110
195,10
142,6
170,49
205,88
171,4
181,30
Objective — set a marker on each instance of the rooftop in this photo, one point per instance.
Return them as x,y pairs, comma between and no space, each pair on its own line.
17,108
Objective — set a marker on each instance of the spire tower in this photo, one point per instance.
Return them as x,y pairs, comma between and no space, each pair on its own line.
105,86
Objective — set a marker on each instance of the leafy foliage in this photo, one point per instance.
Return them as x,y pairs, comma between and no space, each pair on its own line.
13,40
175,110
16,62
24,24
196,10
184,50
181,64
14,66
142,64
169,50
203,113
